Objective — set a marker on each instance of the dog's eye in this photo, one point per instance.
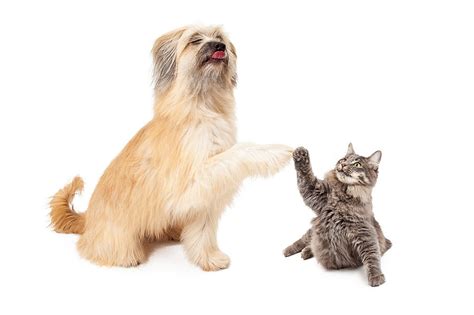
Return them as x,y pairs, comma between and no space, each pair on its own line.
195,41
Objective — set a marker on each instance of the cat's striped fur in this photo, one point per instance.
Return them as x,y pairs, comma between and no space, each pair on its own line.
345,233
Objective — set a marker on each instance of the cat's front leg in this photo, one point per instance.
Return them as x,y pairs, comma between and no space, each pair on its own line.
302,163
369,252
313,191
304,172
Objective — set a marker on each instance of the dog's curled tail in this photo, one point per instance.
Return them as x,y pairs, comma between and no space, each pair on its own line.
63,217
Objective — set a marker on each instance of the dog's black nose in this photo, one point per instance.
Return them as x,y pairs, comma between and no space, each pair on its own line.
218,46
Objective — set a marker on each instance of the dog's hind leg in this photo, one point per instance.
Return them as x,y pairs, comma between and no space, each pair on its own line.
111,246
172,234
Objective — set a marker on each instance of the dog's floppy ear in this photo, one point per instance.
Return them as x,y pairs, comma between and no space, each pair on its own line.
234,52
164,58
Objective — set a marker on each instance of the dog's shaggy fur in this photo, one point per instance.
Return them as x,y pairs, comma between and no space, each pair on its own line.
175,177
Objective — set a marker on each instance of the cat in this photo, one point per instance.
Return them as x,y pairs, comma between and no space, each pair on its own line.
344,233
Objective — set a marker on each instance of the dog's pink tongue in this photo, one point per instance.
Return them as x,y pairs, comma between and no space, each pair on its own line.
218,54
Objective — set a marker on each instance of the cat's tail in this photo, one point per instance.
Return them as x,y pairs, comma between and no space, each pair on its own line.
63,217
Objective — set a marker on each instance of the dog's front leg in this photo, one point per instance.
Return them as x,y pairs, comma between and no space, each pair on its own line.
223,173
200,243
212,190
246,159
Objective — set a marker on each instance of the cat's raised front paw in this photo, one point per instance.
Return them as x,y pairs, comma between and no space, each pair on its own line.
301,155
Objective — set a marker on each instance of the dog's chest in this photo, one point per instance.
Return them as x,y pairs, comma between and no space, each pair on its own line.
213,135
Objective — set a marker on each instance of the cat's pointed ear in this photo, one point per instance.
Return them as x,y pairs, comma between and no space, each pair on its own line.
375,158
350,149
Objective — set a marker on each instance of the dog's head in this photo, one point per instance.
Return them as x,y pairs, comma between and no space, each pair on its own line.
198,57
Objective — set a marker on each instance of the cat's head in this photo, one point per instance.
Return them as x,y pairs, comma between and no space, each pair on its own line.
354,169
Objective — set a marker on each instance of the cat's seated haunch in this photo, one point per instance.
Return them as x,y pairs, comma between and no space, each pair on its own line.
344,233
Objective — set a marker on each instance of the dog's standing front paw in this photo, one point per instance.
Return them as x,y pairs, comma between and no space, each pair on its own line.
376,280
215,261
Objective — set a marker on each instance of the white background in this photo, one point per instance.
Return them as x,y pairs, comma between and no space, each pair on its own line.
75,85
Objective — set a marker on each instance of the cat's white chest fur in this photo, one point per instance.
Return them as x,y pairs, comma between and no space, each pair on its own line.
361,192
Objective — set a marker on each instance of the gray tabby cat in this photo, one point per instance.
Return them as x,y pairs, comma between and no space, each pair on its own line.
345,233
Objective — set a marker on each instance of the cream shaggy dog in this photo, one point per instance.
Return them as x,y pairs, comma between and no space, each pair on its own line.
175,177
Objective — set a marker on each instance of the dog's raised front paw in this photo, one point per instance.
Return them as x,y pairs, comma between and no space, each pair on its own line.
277,156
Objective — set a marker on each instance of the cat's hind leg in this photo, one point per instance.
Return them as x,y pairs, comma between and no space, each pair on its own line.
384,243
307,253
299,245
388,245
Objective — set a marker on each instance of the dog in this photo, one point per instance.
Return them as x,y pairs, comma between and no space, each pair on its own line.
181,170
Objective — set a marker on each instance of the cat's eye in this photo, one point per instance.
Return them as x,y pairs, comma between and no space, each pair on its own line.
356,164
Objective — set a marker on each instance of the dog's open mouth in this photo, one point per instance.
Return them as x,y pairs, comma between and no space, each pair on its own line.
218,55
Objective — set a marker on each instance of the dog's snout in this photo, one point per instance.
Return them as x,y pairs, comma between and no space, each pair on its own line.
217,46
